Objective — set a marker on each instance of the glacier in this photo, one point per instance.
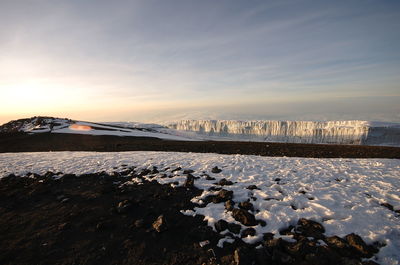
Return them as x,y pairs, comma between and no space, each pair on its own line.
319,132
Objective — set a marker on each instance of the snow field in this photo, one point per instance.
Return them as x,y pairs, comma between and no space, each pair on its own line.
344,195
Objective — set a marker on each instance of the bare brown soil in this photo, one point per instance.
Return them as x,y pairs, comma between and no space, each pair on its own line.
21,142
92,219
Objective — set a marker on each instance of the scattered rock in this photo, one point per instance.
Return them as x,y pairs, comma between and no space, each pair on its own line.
154,170
302,248
189,182
229,205
204,243
49,174
160,224
268,236
176,169
221,225
188,171
309,228
124,206
213,188
248,232
271,243
387,205
224,182
252,187
242,257
246,205
244,217
223,196
356,242
339,244
262,223
277,179
216,170
287,231
144,172
209,178
234,228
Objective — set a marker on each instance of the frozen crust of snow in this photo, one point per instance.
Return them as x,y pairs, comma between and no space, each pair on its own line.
56,125
109,130
345,195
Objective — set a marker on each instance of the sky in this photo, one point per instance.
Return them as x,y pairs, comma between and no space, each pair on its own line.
164,60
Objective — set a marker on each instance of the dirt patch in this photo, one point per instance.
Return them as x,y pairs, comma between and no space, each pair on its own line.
22,142
99,219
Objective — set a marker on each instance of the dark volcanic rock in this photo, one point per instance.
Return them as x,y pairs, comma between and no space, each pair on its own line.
229,205
45,236
188,171
234,228
208,177
213,188
216,170
248,232
339,244
221,225
189,182
124,206
223,196
242,256
244,217
356,242
388,205
224,182
262,223
252,187
301,248
309,228
154,171
160,224
246,205
176,169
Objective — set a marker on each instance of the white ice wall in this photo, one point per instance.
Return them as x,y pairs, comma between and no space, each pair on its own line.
339,132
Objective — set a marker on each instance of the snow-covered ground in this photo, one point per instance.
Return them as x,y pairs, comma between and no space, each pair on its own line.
345,195
58,125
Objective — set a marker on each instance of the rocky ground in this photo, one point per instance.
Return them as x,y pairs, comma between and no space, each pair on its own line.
96,219
22,142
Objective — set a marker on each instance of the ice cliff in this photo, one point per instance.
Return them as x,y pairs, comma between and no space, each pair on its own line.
333,132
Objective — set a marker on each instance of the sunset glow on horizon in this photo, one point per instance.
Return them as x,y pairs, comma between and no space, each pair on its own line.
80,127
